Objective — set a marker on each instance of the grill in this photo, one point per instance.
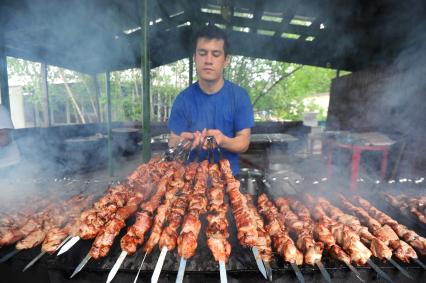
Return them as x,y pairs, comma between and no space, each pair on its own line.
241,266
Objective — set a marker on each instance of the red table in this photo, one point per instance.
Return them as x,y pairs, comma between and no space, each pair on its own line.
356,158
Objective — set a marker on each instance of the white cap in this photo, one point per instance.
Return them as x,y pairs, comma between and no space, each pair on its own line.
5,121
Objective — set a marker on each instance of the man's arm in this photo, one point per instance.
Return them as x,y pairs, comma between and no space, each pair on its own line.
239,144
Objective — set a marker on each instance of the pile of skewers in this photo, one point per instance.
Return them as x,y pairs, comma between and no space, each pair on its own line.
170,198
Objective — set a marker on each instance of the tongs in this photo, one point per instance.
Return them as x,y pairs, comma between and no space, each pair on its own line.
181,151
211,145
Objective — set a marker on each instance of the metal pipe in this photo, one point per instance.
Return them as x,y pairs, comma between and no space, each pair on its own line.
338,73
97,95
109,121
191,68
146,119
47,122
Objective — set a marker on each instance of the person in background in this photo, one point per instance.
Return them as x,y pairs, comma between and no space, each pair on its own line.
9,152
213,106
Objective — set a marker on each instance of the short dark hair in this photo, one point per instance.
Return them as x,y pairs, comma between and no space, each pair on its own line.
211,31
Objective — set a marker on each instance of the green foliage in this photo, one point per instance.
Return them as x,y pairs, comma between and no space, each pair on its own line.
285,99
277,89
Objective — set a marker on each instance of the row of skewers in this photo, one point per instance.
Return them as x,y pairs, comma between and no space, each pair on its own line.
170,200
409,205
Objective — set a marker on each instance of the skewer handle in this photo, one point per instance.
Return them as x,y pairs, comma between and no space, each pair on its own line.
379,271
81,265
323,271
181,272
34,260
298,273
222,268
140,267
159,265
116,266
68,245
399,267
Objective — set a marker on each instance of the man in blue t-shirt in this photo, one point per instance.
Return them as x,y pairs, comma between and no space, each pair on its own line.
213,106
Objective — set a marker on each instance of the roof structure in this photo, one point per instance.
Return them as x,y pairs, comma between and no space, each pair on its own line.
94,36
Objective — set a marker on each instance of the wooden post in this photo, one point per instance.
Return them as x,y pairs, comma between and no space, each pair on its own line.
146,137
45,94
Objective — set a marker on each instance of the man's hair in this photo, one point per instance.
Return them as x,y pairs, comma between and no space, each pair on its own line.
211,31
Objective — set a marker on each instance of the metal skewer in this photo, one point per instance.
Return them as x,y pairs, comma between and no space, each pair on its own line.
268,270
353,269
9,255
63,242
416,260
140,267
33,261
222,270
379,271
68,245
259,262
116,266
81,265
399,267
159,265
43,253
181,272
298,273
323,271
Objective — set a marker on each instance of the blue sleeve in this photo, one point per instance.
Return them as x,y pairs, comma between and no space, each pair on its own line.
244,117
177,122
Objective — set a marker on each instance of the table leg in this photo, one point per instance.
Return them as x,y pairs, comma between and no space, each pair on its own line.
356,157
384,164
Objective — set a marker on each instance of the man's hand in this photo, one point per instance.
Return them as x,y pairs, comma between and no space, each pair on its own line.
196,138
218,136
237,144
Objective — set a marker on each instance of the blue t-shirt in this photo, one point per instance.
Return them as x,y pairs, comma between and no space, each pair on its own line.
228,110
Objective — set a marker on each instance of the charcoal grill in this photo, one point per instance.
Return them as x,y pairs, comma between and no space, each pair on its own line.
241,266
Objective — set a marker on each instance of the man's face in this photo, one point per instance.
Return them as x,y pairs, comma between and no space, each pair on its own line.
4,137
210,59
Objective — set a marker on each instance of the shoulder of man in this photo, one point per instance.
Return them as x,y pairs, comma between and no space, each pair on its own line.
187,92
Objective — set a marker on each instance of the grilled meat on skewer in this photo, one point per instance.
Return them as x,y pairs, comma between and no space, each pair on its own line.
217,223
263,243
175,185
246,226
403,232
305,242
104,240
188,238
282,242
344,235
136,233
